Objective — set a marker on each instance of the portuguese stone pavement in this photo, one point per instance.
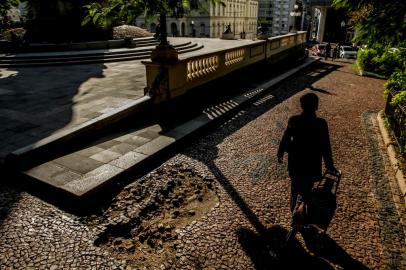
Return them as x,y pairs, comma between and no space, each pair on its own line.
244,228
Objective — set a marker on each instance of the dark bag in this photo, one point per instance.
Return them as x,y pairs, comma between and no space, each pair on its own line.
321,208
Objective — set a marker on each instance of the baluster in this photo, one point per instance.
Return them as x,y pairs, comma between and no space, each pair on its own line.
200,67
194,69
189,72
197,68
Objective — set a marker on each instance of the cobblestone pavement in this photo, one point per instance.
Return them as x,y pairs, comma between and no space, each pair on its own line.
252,190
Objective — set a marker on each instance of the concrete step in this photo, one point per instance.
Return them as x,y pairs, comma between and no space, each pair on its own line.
93,166
75,46
84,53
73,59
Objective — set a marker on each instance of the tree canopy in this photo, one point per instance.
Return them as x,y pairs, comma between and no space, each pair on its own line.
6,5
376,21
111,12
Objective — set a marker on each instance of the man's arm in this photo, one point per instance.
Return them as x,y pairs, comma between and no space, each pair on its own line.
326,149
285,141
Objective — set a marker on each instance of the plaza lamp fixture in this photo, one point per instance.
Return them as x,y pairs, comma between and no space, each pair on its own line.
295,13
164,52
342,24
309,23
192,25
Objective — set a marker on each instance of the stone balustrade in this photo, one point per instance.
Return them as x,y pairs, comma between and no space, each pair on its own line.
168,80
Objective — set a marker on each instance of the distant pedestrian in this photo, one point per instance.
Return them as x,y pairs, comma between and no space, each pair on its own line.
335,53
158,32
327,51
307,142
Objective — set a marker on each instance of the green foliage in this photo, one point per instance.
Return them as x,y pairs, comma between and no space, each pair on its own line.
114,12
6,5
377,21
15,35
381,60
364,58
396,85
389,61
399,98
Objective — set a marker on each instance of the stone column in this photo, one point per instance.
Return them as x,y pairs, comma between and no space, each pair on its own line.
322,24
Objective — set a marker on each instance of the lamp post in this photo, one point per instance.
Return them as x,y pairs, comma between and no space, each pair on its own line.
295,13
342,24
164,34
164,52
309,23
192,25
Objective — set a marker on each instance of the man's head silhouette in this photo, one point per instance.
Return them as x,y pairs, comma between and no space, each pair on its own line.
309,103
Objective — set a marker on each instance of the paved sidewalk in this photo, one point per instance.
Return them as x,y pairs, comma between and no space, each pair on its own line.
252,190
40,101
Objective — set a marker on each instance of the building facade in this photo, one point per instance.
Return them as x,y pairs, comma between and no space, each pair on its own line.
240,15
275,14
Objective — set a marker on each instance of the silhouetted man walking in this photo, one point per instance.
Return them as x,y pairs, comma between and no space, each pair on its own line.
307,142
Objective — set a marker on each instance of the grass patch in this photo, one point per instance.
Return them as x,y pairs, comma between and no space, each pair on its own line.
373,75
356,69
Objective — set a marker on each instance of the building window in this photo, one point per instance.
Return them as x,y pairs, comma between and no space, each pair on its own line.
202,29
153,27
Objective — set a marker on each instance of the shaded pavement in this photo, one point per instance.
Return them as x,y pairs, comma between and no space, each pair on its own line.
36,102
246,228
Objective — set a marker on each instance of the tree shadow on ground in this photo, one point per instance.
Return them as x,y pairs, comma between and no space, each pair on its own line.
35,102
257,244
180,111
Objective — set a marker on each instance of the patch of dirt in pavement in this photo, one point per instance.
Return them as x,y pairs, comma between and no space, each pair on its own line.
142,224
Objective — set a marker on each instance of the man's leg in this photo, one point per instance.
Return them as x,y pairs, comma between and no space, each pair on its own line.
293,196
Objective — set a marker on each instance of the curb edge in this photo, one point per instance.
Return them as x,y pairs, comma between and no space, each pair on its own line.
392,155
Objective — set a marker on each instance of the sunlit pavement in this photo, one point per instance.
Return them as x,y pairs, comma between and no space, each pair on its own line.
253,192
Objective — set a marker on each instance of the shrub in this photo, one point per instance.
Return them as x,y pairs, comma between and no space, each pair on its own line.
365,59
15,35
390,61
396,85
381,60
